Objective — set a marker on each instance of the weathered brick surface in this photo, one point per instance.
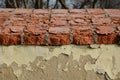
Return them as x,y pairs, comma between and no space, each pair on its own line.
59,26
76,11
82,35
59,36
79,18
106,35
34,35
59,18
114,14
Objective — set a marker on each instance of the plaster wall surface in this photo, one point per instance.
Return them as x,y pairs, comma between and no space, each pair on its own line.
70,62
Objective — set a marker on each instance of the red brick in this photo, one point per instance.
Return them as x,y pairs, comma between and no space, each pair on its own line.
35,24
7,10
57,23
41,11
82,35
17,29
40,17
22,11
10,35
4,14
2,20
101,21
33,20
59,11
78,11
36,30
31,39
43,25
59,20
6,28
109,39
79,22
59,36
83,16
112,11
34,35
59,16
106,35
10,39
114,14
98,16
79,19
41,14
96,11
18,21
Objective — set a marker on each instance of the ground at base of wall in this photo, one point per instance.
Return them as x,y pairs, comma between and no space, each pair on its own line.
71,62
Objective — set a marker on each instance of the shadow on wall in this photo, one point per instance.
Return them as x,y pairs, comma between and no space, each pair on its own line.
58,4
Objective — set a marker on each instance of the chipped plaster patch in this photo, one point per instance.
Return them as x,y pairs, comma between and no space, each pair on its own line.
106,57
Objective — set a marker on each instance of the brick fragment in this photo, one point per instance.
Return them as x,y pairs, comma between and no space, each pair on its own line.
59,16
95,11
10,39
59,20
101,21
17,29
41,13
22,11
59,23
34,35
79,20
82,35
59,11
59,36
2,20
10,35
4,14
114,14
6,10
106,35
78,11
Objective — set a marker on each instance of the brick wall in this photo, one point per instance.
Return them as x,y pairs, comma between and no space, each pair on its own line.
59,26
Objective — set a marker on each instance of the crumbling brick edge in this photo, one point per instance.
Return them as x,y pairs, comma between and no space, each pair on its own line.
59,26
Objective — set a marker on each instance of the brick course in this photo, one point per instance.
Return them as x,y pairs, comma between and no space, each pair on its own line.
59,26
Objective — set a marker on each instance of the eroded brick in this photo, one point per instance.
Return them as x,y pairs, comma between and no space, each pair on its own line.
79,20
59,11
59,36
10,39
101,21
34,35
78,11
82,35
106,35
114,14
95,11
